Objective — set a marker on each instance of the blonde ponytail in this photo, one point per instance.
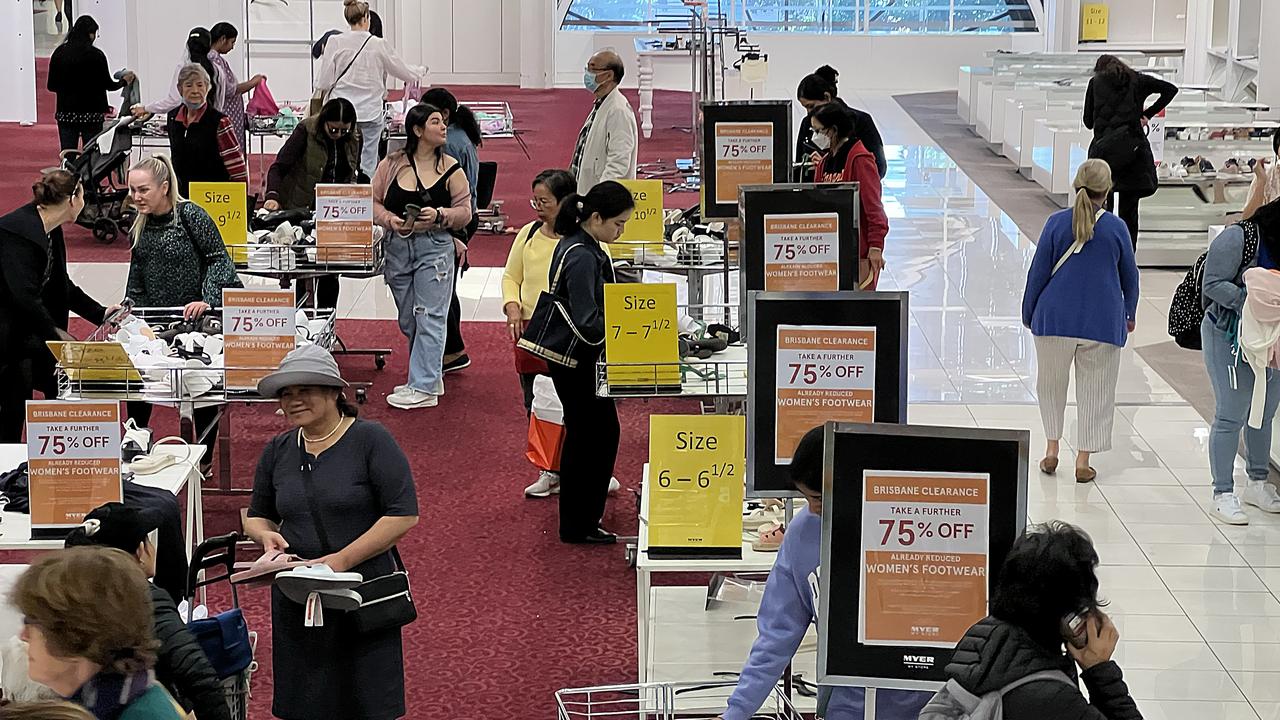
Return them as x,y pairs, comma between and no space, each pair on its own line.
1092,185
160,168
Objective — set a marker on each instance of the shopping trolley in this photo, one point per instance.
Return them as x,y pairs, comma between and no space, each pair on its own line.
663,701
213,562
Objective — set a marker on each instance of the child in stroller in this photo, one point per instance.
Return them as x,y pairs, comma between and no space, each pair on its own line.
100,166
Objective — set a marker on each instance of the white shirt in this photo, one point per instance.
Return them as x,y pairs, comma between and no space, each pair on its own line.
365,83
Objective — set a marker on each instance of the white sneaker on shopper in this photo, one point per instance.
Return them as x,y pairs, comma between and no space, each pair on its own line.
410,399
548,483
1262,495
614,485
399,389
1226,507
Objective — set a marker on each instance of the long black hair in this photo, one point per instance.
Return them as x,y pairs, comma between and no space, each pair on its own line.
1267,218
338,110
79,33
223,30
459,115
560,183
199,45
418,116
1114,69
609,199
1049,573
819,84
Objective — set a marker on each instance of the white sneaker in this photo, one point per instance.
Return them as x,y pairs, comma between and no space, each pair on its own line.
411,399
400,389
1262,495
548,483
614,485
1226,507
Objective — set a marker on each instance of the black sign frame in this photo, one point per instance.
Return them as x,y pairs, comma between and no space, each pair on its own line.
776,112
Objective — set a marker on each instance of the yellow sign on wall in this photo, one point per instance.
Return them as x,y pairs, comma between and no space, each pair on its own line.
646,223
1094,18
640,328
695,484
226,203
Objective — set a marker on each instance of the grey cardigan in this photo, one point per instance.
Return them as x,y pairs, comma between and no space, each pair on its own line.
1223,286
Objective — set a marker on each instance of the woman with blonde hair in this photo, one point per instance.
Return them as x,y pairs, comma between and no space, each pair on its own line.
1081,303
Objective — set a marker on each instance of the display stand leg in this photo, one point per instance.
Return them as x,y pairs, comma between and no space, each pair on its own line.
646,96
869,704
642,625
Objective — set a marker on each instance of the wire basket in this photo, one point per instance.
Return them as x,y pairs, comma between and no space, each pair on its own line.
235,690
662,701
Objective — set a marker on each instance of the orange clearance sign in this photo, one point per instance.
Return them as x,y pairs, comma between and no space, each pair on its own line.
743,156
344,223
73,458
258,330
823,372
801,252
926,549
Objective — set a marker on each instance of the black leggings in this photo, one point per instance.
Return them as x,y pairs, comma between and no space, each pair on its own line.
72,135
590,448
1128,212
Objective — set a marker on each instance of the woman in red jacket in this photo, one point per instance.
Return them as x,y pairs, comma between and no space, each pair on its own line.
845,159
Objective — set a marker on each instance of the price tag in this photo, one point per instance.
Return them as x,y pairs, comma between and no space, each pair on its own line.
227,204
823,372
258,330
925,546
646,223
743,156
640,328
802,252
73,458
344,223
695,484
1155,136
1094,21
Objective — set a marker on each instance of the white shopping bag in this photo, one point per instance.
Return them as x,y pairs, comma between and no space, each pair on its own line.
546,404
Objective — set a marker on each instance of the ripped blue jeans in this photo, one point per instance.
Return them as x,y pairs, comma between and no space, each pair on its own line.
419,272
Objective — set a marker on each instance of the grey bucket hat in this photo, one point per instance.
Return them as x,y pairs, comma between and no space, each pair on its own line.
306,365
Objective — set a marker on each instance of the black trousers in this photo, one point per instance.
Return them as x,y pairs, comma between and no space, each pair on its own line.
71,135
1127,211
526,384
206,420
590,448
18,380
325,290
453,342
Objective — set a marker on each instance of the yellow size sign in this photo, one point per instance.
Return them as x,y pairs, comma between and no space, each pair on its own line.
226,204
695,484
1094,18
645,228
641,342
98,361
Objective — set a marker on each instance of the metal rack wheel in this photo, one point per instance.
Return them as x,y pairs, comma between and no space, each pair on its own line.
361,396
380,361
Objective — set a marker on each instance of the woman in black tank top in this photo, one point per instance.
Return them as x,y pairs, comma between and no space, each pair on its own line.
420,196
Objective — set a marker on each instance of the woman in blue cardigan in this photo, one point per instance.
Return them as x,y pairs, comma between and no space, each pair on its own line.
1081,304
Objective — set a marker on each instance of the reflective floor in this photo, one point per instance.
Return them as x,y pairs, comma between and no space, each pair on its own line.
1196,602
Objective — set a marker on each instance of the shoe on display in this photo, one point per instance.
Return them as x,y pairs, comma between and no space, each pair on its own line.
769,538
1262,495
411,399
461,362
1226,508
547,484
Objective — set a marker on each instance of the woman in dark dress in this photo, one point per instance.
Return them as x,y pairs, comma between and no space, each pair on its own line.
1115,110
79,76
363,491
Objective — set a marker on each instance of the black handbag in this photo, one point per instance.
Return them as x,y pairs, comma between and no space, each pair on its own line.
386,602
550,333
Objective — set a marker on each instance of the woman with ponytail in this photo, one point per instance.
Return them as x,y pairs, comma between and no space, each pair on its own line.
1081,304
199,45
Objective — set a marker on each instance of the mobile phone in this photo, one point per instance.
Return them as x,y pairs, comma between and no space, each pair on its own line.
1075,630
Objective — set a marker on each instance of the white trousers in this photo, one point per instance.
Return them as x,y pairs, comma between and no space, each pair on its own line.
1097,370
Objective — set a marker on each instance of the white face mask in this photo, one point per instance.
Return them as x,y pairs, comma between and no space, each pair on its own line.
821,141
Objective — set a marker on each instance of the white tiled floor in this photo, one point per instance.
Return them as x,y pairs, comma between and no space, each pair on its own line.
1196,603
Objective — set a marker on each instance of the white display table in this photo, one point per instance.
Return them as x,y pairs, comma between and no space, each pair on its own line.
675,65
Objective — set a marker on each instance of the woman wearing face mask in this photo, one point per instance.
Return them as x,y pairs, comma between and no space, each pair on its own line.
586,223
818,89
37,295
223,38
204,144
842,157
420,195
199,45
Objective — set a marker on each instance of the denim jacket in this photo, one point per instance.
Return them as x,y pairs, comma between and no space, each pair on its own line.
1223,286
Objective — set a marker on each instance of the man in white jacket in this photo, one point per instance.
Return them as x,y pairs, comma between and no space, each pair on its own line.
606,147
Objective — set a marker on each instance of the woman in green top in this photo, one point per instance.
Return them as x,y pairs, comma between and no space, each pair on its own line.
87,624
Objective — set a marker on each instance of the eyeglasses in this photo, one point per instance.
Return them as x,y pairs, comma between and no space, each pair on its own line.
541,203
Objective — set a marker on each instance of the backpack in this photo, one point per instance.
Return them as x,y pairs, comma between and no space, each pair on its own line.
954,702
1186,310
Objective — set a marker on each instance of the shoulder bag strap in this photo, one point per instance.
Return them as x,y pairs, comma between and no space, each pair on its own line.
537,225
305,465
348,67
1075,247
555,281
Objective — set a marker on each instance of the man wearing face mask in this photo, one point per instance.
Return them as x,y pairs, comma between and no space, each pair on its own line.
606,147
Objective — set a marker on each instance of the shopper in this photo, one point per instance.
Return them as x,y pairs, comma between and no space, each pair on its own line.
223,38
1265,187
44,710
790,606
202,140
586,223
842,157
1048,578
1230,376
463,139
1081,303
819,88
181,665
87,625
199,45
324,148
606,147
420,196
358,485
178,259
355,66
81,79
1115,110
37,295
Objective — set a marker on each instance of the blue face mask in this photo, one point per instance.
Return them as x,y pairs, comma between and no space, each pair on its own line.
589,81
192,106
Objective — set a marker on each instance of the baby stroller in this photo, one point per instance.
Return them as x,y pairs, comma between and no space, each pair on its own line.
102,174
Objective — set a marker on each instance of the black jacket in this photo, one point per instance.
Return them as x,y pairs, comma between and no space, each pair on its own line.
581,287
994,653
79,76
36,294
1113,110
181,665
864,129
196,155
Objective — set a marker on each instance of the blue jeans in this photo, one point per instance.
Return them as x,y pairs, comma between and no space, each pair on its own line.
419,271
370,136
847,703
1231,411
